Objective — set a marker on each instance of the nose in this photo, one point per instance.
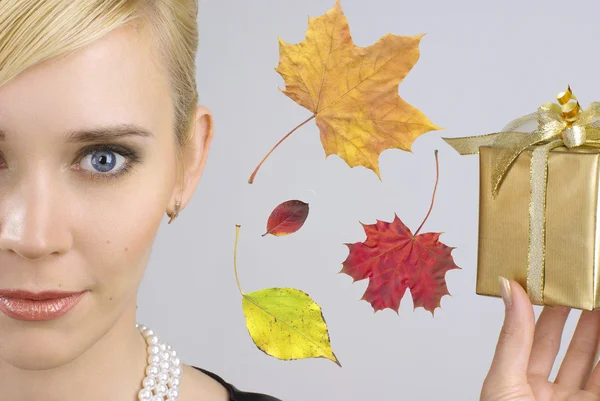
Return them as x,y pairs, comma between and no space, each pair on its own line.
32,223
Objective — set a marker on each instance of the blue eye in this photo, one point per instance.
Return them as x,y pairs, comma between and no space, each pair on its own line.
107,161
102,161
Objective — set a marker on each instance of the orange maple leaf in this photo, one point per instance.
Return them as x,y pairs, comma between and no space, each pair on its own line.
352,90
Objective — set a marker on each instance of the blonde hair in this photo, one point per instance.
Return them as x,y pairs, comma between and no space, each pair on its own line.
32,31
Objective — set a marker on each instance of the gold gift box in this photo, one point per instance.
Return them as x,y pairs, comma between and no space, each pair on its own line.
572,230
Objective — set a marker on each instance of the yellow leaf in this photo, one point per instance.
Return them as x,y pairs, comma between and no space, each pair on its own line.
284,322
287,324
352,90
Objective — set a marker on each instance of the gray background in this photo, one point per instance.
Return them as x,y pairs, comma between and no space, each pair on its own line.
482,64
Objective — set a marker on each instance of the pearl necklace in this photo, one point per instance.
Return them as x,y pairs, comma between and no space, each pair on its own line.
163,373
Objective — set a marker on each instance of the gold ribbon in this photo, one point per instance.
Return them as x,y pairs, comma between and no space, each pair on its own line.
562,124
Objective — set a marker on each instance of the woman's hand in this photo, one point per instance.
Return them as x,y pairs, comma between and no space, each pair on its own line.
526,352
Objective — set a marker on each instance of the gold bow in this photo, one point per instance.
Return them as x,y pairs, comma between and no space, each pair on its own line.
563,124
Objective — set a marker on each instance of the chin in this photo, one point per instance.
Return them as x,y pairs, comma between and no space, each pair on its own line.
36,350
50,344
46,345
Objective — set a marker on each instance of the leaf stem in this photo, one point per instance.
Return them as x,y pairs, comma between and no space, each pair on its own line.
437,177
251,179
237,279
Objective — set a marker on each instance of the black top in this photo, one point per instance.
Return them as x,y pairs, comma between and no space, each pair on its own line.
234,393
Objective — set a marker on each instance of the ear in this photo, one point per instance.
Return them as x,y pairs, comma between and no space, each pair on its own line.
193,158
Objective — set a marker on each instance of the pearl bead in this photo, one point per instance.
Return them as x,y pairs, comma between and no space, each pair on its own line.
145,394
163,377
162,389
153,359
149,383
152,340
153,349
163,372
152,370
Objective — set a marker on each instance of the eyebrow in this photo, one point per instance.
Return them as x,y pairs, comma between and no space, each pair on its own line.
101,134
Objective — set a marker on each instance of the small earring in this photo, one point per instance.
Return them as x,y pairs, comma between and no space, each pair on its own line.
175,213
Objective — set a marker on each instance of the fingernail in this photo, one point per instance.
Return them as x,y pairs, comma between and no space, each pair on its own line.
505,291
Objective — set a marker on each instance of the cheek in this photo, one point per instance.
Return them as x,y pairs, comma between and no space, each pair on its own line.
117,238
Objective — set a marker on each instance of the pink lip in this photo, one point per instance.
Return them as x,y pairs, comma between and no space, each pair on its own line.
47,305
37,296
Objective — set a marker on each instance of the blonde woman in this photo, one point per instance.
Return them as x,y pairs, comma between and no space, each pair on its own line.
100,135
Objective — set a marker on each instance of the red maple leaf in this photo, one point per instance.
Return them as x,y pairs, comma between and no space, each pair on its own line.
393,259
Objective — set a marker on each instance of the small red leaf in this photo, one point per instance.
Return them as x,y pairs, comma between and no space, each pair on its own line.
287,218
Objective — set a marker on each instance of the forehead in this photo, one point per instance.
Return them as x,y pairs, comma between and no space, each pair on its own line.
111,80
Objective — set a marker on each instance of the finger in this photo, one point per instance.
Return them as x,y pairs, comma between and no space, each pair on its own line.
593,384
516,337
579,360
546,341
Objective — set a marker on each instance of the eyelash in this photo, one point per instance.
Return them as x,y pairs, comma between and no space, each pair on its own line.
131,159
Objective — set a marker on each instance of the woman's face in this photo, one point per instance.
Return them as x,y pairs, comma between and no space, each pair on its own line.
81,212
